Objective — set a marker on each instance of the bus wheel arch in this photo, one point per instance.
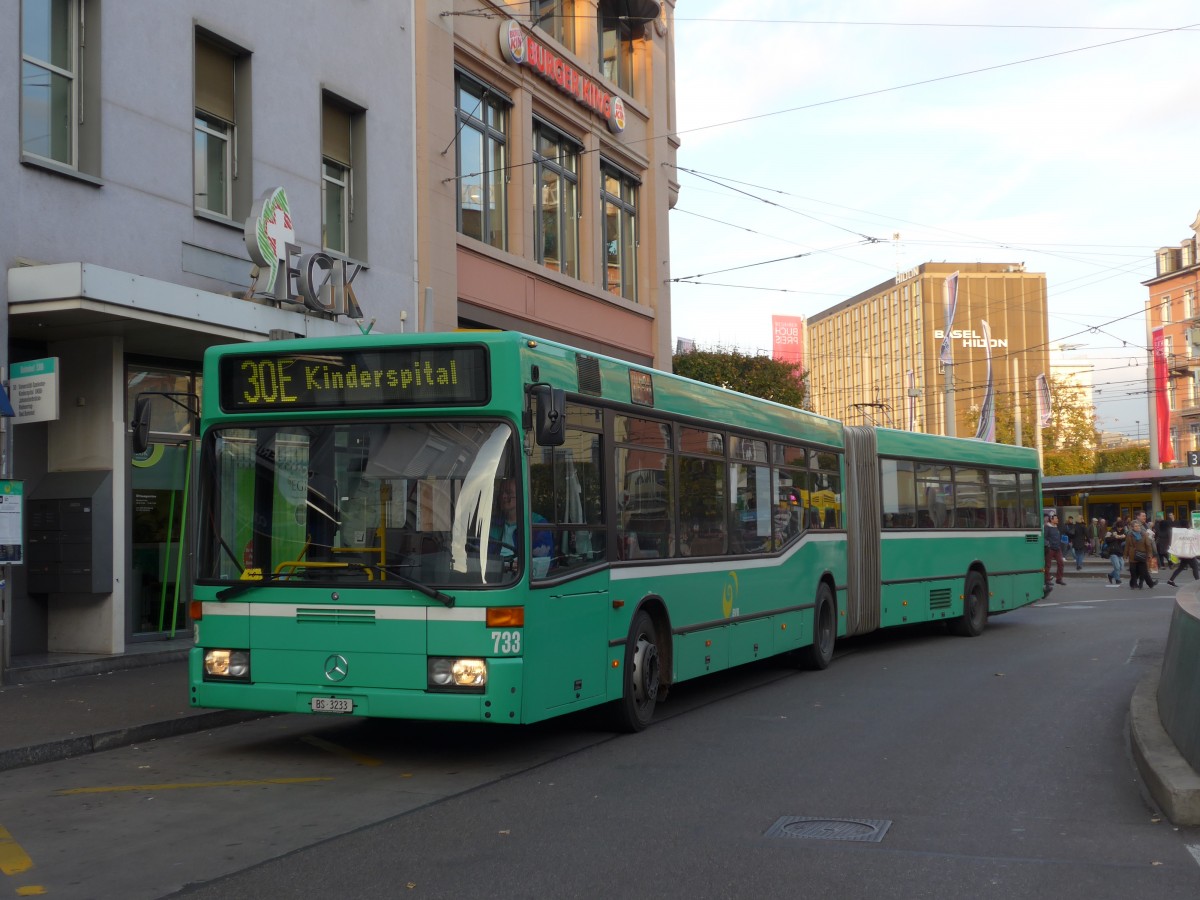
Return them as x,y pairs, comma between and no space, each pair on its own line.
974,616
819,654
647,667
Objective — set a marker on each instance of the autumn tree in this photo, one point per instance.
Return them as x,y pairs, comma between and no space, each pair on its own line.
759,376
1069,442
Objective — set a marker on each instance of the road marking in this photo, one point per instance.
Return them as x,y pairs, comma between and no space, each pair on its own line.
1194,849
186,785
322,744
13,860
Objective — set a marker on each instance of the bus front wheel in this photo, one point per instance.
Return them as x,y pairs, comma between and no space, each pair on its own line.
642,679
975,608
819,654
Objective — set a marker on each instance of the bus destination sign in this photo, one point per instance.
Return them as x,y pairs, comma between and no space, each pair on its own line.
355,379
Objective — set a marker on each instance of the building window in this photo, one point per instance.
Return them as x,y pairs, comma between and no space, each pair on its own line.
619,200
1189,303
50,36
343,137
557,19
556,160
616,44
482,164
1166,309
215,128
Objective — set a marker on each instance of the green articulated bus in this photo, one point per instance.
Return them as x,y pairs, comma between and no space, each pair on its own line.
493,527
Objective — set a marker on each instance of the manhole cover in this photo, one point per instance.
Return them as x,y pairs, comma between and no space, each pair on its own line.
871,830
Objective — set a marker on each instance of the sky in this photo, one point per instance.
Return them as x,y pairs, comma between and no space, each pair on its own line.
1065,136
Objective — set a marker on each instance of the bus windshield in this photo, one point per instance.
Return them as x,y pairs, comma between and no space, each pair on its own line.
373,503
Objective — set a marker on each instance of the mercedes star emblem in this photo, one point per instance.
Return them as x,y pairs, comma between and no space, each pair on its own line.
336,667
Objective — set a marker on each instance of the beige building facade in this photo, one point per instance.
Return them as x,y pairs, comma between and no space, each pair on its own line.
875,358
545,170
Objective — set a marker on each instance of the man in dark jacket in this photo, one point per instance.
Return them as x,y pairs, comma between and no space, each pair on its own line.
1162,538
1053,549
1077,532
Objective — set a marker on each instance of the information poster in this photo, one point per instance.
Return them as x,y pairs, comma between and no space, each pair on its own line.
11,497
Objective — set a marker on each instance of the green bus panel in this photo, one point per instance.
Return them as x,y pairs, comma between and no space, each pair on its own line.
700,652
751,640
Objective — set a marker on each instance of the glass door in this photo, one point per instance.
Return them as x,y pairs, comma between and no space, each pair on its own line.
160,503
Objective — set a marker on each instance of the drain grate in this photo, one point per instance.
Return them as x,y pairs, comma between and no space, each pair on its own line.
871,830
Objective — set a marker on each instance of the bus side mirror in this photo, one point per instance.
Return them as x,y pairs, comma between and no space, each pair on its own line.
550,415
141,425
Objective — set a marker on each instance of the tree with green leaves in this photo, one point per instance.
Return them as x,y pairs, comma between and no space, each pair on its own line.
1129,458
759,376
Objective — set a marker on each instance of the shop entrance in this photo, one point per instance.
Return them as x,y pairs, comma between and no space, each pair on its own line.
160,504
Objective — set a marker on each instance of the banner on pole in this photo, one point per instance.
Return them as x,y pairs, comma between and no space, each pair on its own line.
1043,402
987,415
1162,405
950,296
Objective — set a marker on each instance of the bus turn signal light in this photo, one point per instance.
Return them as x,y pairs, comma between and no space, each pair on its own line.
506,617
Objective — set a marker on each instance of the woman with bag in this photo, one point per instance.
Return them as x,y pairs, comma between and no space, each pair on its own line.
1139,549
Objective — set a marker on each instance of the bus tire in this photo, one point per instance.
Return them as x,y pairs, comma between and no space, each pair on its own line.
974,616
819,654
642,679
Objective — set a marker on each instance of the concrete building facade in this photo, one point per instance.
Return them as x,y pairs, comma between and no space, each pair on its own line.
546,165
140,137
875,358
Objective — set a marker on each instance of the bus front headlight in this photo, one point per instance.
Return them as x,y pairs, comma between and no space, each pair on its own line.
231,664
451,674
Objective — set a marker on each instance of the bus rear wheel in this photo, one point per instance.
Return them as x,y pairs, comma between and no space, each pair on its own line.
974,616
819,654
642,680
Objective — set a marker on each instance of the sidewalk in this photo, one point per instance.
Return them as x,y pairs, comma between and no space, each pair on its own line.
68,705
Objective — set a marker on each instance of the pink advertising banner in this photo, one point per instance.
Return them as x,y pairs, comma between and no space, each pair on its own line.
787,342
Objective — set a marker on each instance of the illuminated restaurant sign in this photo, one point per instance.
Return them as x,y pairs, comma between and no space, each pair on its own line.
523,49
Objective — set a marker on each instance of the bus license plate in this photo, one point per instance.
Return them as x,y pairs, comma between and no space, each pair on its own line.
332,705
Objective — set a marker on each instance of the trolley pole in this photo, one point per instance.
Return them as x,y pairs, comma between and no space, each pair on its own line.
949,368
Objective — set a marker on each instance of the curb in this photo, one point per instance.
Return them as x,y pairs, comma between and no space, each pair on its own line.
1173,783
100,665
66,748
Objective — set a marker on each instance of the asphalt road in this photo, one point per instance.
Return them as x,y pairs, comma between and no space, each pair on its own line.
917,765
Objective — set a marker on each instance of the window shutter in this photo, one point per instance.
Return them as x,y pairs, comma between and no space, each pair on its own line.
214,81
335,133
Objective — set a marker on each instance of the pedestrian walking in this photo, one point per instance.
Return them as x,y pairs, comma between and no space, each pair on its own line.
1185,545
1054,553
1077,532
1114,550
1162,538
1139,548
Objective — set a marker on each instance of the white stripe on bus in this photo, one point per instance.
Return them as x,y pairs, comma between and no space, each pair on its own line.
628,573
392,613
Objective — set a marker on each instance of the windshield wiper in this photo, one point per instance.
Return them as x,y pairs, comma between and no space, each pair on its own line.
409,581
242,586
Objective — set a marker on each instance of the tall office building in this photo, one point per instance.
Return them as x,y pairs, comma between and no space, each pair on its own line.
876,358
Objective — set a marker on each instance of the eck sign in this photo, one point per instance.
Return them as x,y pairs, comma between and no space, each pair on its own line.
318,281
